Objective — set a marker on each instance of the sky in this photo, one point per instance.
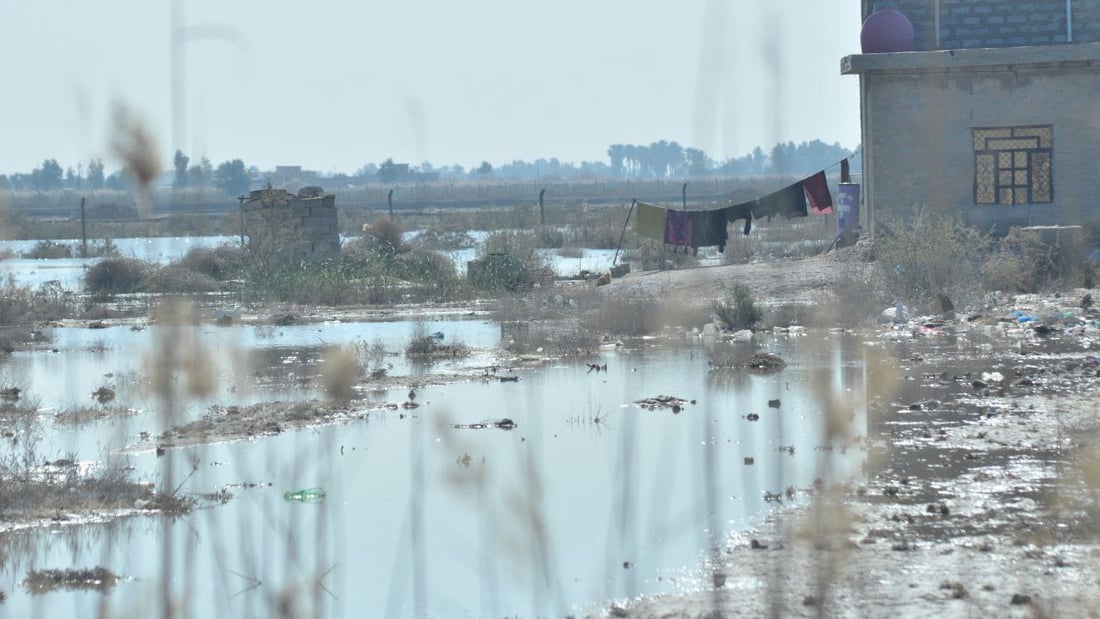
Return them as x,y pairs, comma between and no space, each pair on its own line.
332,85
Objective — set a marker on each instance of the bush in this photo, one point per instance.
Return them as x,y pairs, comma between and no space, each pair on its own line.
738,309
1025,262
47,250
930,253
219,263
116,275
651,255
178,280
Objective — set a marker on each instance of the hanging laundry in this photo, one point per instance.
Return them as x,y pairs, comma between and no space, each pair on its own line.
789,202
845,173
817,190
650,222
709,228
678,228
741,211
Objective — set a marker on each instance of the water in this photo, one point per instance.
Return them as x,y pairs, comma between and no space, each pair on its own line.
69,272
558,516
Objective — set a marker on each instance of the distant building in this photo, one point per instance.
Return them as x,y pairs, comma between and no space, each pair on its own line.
390,172
287,175
989,116
284,227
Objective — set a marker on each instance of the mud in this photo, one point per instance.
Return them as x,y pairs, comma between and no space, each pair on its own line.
980,496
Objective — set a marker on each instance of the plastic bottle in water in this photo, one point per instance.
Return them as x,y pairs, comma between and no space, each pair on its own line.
306,495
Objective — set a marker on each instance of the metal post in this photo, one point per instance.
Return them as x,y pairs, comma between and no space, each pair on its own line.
389,199
1069,21
542,211
83,231
623,235
936,19
684,195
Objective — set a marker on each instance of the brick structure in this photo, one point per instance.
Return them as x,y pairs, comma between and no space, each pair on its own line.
285,228
995,123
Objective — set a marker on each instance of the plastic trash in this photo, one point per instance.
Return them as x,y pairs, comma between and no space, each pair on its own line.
305,495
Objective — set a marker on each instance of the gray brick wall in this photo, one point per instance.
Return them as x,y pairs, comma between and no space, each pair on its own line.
968,24
301,230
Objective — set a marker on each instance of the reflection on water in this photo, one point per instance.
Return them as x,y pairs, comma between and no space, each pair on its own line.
69,272
589,498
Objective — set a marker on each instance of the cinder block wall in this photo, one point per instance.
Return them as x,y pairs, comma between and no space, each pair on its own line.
302,230
966,24
920,130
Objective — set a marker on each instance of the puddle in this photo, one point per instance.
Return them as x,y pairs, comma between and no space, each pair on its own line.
583,498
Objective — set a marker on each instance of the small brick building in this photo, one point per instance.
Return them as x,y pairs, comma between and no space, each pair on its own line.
285,228
991,115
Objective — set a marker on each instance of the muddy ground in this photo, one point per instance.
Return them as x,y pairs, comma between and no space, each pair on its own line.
981,494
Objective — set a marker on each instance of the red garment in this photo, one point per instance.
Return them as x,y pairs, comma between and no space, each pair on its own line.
817,190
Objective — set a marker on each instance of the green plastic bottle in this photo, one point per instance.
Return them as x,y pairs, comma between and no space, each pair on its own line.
306,495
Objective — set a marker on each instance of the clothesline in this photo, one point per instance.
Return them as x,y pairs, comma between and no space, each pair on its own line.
704,227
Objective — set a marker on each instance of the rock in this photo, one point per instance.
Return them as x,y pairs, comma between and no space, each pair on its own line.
1086,301
773,403
1019,599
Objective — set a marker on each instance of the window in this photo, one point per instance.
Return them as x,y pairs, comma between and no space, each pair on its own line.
1013,165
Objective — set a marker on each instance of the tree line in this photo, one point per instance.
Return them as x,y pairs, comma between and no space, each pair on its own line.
659,160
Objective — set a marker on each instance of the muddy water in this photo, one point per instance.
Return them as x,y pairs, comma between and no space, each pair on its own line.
587,499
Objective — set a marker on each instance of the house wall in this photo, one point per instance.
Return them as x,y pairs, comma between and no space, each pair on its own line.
968,24
920,150
303,230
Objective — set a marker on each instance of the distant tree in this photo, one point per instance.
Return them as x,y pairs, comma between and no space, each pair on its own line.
371,169
387,172
95,173
616,153
697,161
179,162
200,174
485,168
48,176
5,182
118,181
457,170
232,177
72,178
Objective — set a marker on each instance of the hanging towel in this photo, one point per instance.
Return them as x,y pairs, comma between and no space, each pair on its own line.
845,174
789,202
709,228
741,211
678,228
650,221
817,190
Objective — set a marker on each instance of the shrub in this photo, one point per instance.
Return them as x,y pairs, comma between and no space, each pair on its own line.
219,263
651,255
738,309
178,280
930,253
46,250
1025,262
116,275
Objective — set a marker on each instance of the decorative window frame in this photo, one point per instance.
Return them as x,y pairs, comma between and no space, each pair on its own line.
1013,165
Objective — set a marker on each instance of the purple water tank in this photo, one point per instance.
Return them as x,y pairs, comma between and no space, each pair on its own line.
886,30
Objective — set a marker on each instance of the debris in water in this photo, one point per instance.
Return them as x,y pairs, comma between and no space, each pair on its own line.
773,403
99,579
502,424
104,394
305,495
662,401
10,393
764,362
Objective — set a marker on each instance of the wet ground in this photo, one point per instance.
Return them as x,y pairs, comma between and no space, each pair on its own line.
980,495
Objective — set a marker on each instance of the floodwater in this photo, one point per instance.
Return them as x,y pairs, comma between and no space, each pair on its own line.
588,499
69,272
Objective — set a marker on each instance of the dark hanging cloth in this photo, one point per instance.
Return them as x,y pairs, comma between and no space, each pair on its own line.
789,202
709,228
741,211
678,228
817,190
845,174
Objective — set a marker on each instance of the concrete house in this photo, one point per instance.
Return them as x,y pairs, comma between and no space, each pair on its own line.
992,114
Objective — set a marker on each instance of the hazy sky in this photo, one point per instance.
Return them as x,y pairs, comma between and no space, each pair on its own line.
335,84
